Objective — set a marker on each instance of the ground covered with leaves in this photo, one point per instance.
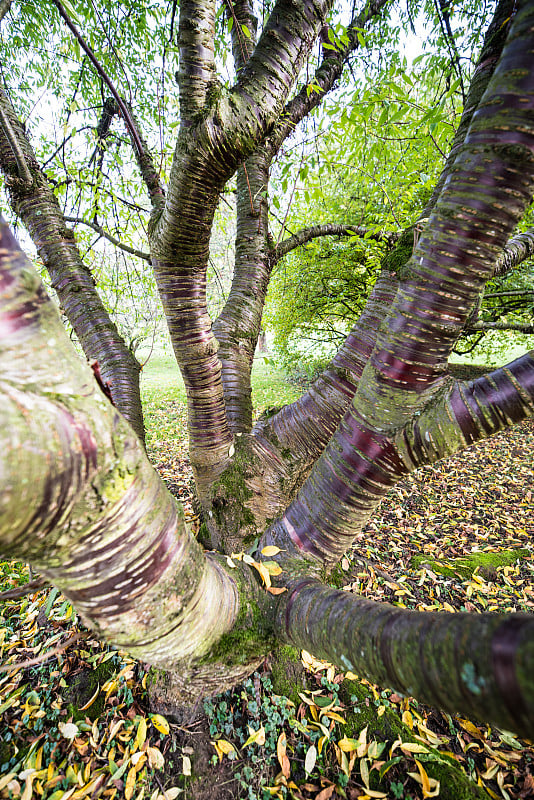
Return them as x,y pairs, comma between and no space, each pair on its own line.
74,720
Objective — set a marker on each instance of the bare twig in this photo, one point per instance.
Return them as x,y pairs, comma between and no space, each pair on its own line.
44,656
22,591
103,74
98,228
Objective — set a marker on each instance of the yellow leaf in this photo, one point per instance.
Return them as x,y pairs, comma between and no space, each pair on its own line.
264,572
276,589
380,711
28,791
428,735
270,550
374,749
311,758
350,676
130,784
160,724
347,745
413,747
272,567
6,779
335,716
407,719
470,728
490,772
362,743
138,760
155,758
424,778
141,734
110,686
249,560
115,728
85,790
223,748
256,737
91,699
343,762
430,785
364,772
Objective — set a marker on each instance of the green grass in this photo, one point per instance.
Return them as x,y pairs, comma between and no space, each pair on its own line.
165,411
161,382
160,378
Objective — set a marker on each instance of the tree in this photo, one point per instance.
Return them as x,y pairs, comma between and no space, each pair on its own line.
80,500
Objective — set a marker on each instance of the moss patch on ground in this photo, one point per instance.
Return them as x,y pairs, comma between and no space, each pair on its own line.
485,562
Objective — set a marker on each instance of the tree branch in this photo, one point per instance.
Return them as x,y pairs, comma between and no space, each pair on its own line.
481,665
100,230
196,73
22,591
130,566
517,249
5,5
22,167
39,209
408,369
265,81
324,79
306,426
490,53
144,158
500,326
329,229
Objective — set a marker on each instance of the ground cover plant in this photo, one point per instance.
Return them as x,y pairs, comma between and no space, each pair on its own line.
78,724
283,499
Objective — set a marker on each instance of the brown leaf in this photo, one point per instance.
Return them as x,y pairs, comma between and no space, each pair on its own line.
324,794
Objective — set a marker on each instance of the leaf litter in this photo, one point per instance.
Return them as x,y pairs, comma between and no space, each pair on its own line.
102,741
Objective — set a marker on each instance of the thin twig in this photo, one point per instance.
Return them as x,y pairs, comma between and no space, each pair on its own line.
105,77
44,656
22,591
98,229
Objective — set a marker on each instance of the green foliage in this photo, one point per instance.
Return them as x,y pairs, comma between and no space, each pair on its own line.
375,166
316,291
